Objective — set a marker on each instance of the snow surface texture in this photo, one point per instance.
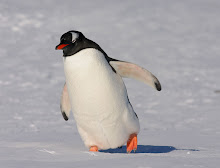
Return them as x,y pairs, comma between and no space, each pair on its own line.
176,40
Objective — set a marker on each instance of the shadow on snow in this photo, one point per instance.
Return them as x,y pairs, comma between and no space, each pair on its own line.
146,149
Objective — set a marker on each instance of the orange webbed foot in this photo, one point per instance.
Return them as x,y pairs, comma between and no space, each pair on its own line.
132,143
93,149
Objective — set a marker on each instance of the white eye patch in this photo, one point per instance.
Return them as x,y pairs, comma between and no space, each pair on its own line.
74,36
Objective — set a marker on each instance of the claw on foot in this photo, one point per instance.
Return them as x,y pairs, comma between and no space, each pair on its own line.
132,143
93,149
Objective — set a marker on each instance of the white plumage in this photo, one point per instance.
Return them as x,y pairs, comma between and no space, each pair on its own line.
99,101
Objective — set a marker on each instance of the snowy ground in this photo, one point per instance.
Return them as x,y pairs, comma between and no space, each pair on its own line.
176,40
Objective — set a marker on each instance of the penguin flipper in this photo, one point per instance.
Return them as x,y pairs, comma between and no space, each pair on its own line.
129,70
65,105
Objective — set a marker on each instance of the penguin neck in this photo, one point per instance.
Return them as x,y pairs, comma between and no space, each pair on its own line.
82,44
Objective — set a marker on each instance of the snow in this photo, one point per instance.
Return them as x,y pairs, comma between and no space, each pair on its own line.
178,41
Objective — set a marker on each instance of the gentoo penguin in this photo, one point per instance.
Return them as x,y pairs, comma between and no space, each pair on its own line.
96,94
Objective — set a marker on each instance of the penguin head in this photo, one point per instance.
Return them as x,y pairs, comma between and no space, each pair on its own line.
69,41
73,41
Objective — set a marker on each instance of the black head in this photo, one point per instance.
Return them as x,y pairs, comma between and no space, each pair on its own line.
69,41
74,41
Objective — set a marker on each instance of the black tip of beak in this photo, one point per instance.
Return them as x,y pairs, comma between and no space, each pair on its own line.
56,47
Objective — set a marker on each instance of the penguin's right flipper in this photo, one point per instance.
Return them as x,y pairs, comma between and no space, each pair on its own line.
65,105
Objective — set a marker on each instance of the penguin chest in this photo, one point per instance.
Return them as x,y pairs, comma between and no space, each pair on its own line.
98,98
92,85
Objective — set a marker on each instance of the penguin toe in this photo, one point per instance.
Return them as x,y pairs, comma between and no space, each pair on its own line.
93,149
132,143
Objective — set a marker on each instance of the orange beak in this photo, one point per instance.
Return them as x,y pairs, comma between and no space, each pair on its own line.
61,46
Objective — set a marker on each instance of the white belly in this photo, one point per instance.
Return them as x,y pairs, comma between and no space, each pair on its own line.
99,100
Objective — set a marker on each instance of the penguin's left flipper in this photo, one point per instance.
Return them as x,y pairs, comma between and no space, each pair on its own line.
129,70
65,105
